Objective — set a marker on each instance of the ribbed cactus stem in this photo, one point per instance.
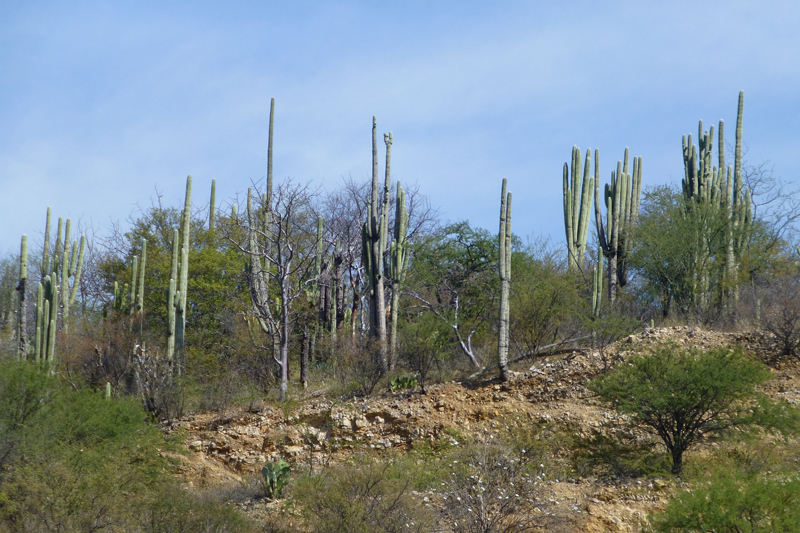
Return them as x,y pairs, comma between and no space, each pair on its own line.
56,263
597,285
212,210
37,348
45,267
140,293
397,265
44,316
387,139
22,312
180,313
134,283
504,267
171,302
374,235
183,274
622,197
720,192
269,153
577,206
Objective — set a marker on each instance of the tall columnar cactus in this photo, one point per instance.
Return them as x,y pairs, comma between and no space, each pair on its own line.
398,262
504,267
714,193
22,313
259,222
47,301
577,206
373,245
120,296
622,211
172,302
134,284
140,294
269,154
178,282
45,266
597,285
183,273
137,292
212,211
65,263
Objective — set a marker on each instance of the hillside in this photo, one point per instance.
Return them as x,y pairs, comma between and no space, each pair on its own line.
547,400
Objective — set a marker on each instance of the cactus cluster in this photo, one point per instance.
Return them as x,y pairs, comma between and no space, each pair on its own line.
622,210
374,238
716,193
577,205
54,290
179,279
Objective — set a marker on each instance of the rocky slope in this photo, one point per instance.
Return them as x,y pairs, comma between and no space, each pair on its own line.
233,447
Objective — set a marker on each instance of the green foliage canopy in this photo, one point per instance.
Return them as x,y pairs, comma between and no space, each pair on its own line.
683,395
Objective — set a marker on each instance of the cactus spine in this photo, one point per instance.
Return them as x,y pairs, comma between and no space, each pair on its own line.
22,314
622,211
577,205
504,247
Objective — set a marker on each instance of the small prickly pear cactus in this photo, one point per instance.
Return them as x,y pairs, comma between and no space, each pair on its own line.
276,477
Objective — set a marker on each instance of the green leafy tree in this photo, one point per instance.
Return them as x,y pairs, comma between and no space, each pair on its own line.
546,300
684,395
453,275
670,263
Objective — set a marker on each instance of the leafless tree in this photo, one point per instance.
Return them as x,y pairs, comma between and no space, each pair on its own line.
280,244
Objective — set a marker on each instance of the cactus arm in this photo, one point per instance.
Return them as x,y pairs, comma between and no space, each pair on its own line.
78,270
212,211
134,281
45,268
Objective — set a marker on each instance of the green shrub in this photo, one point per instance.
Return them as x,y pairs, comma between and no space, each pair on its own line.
86,463
735,503
682,396
361,497
24,389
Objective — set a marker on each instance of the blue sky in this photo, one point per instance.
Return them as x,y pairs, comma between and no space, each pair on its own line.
103,103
